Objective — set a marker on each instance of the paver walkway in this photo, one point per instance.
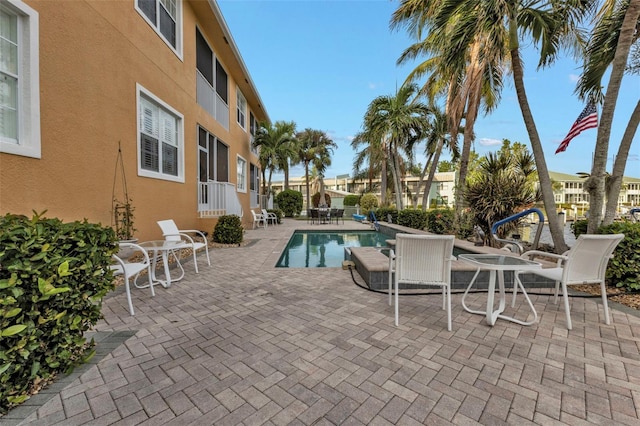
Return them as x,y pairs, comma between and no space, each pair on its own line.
245,343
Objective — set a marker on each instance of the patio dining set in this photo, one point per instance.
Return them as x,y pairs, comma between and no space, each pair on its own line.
325,215
135,258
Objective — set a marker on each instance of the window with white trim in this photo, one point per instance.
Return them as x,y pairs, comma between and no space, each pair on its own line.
165,16
19,80
241,184
241,106
160,139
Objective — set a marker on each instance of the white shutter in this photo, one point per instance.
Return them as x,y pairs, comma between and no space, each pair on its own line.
149,118
168,128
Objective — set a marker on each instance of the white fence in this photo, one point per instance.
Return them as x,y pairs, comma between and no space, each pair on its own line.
218,199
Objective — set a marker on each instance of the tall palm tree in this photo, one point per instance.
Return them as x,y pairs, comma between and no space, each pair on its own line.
609,47
497,27
399,122
276,144
314,147
468,82
436,139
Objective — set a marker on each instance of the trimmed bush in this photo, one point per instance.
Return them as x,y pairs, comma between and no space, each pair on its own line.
440,221
315,199
228,230
290,202
368,202
53,276
412,218
351,200
624,268
383,214
579,227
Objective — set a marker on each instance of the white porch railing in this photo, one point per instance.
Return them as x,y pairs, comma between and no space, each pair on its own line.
208,99
218,199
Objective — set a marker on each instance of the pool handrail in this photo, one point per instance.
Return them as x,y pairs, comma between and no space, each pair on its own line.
516,246
372,216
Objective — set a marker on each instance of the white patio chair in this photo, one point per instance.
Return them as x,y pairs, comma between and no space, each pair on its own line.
258,218
131,270
585,263
422,260
270,217
184,239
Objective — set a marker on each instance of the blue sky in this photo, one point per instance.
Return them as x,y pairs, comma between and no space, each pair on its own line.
320,63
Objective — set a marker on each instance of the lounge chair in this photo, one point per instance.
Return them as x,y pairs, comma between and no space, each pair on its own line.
258,218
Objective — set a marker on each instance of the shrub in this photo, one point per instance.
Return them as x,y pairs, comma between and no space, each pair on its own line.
290,202
579,227
440,221
624,268
351,200
368,202
465,224
412,218
383,214
53,276
228,230
315,199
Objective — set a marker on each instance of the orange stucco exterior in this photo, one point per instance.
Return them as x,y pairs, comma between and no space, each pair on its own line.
92,56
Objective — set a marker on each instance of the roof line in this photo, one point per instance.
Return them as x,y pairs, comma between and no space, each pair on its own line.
227,33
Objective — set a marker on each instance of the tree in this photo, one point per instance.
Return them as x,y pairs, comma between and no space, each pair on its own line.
503,185
276,144
314,147
491,32
610,47
374,156
397,122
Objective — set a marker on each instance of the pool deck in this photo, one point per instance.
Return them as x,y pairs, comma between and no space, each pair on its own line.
246,343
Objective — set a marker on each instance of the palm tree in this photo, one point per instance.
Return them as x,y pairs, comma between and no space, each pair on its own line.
314,147
468,82
373,155
397,122
609,47
436,139
493,29
276,144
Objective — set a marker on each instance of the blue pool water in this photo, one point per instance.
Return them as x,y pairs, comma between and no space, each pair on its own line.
312,249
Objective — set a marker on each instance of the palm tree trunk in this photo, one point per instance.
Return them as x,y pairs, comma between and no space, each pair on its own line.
286,177
596,182
557,231
421,183
432,173
397,179
383,174
306,179
619,165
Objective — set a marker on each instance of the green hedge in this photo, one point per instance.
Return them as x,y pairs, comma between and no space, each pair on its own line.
53,276
413,218
351,200
290,202
440,221
624,268
383,214
368,202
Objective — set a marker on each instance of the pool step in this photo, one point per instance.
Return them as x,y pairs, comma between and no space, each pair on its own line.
373,266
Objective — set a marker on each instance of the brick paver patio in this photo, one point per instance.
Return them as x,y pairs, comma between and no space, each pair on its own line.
245,343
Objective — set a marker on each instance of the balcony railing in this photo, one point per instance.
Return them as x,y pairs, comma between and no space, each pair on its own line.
208,99
218,199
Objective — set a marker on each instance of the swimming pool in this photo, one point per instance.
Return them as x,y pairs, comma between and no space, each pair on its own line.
313,249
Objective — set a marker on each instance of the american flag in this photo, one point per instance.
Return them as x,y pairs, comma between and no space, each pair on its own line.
587,119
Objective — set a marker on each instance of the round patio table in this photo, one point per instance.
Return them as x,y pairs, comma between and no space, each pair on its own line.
496,264
163,249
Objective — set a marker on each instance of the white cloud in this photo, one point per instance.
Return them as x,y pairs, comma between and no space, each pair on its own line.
490,142
372,86
574,78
